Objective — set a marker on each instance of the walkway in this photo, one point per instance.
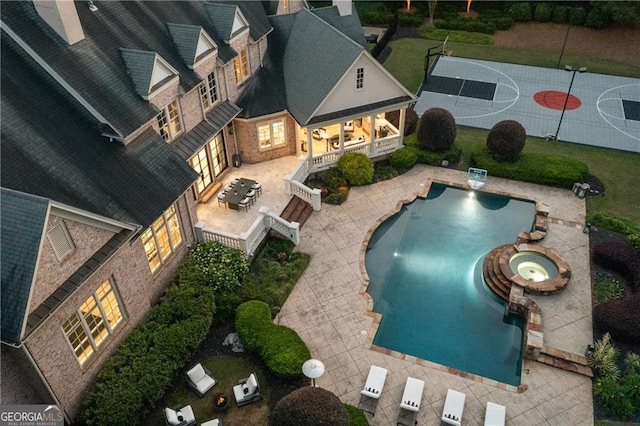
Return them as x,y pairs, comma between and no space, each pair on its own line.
328,311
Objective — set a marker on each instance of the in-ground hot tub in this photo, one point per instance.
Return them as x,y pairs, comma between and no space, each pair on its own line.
533,266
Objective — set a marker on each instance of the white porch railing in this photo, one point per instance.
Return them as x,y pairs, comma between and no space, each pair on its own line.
294,185
248,242
370,149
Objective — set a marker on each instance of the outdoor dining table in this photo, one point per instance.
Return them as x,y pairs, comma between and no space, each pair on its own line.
238,191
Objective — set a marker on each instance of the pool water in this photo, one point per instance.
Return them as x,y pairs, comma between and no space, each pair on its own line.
425,271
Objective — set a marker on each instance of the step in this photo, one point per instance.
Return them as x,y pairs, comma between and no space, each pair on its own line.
297,211
565,364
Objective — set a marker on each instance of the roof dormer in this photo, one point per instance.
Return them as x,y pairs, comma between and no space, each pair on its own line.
227,19
193,44
148,71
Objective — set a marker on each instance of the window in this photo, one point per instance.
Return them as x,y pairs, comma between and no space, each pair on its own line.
93,322
162,238
210,161
359,78
61,241
169,121
271,133
209,91
241,66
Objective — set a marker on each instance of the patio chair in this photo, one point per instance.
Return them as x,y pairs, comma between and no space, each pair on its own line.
453,407
221,200
373,386
257,187
495,414
181,415
412,395
252,195
227,188
244,204
234,181
200,379
247,391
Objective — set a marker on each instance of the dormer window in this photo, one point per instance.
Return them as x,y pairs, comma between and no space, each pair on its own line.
149,73
360,78
169,121
209,92
241,66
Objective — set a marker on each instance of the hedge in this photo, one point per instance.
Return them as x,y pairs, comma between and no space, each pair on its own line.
452,155
619,225
280,347
621,258
147,361
543,169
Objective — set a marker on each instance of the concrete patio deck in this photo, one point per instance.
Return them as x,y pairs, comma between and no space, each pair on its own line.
328,310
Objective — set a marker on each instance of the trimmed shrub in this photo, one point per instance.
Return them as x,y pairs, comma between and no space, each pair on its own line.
560,14
338,197
310,406
506,140
599,15
619,225
621,258
620,318
543,169
436,130
543,12
377,18
504,24
334,178
577,16
410,19
452,155
357,168
214,265
520,12
280,347
404,159
150,357
608,391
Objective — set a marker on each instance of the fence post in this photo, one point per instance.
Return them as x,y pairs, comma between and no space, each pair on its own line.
316,199
199,227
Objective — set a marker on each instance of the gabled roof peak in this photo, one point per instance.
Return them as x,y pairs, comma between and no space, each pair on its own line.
227,19
192,42
148,71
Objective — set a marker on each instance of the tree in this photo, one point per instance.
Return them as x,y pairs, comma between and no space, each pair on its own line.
432,10
506,140
436,130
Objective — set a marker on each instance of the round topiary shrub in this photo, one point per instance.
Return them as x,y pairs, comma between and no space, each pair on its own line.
560,14
404,159
543,12
577,16
506,140
436,130
310,406
357,168
521,12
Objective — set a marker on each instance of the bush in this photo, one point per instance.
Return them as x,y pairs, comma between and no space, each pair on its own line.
543,169
504,24
280,347
436,130
410,19
212,264
334,178
377,18
577,16
357,168
452,155
604,358
621,258
543,12
599,15
404,159
620,318
150,357
520,12
608,392
619,225
560,14
506,140
310,406
356,416
384,171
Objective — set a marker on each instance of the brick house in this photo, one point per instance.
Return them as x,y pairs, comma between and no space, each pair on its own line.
118,118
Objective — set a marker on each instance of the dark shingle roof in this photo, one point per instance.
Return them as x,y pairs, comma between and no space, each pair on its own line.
48,149
22,229
94,67
186,38
222,16
264,94
254,11
139,65
349,25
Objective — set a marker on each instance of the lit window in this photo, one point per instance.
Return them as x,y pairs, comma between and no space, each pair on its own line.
93,322
271,133
209,91
359,78
241,66
162,238
169,121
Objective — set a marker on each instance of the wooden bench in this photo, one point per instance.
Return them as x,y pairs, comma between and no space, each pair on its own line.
210,192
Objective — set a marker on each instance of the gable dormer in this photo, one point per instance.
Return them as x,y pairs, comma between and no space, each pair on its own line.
193,43
148,71
228,20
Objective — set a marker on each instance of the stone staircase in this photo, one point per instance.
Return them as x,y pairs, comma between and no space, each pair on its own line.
497,282
297,210
564,360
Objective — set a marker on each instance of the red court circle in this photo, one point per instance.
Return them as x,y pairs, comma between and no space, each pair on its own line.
554,99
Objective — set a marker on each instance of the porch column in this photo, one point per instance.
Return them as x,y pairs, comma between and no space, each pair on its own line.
403,114
310,149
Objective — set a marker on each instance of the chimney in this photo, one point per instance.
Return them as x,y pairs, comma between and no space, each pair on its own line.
62,17
344,6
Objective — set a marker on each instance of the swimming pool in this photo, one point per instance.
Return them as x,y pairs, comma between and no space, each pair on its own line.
425,278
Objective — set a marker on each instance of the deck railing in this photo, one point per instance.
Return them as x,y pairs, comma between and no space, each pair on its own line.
248,242
370,149
294,185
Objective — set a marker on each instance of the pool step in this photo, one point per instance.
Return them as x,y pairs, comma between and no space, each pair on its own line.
493,276
565,360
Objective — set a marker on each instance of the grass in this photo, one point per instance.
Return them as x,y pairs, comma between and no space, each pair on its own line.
616,169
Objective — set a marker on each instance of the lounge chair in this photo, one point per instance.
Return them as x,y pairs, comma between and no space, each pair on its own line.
247,391
412,395
374,384
181,415
200,380
214,422
453,407
495,414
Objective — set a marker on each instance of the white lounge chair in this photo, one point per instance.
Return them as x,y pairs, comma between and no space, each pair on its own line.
200,379
374,384
453,407
495,414
214,422
179,416
247,391
412,395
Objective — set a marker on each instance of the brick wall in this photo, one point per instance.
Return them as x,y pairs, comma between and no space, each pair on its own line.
247,137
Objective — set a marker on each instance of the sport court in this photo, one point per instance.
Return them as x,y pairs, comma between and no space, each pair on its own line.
602,110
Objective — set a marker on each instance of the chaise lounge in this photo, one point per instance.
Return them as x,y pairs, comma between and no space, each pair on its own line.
247,391
495,414
412,395
374,384
453,407
200,380
181,415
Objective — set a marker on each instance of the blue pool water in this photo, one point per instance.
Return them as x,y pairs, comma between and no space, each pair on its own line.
425,270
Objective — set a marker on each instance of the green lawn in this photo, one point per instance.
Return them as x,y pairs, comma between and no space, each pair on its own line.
617,169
